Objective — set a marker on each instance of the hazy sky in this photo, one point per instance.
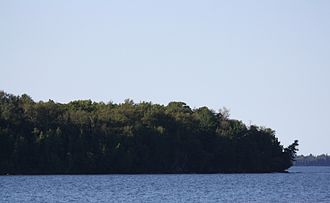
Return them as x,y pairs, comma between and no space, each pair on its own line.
267,61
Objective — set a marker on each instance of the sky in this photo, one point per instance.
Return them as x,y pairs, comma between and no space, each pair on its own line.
266,61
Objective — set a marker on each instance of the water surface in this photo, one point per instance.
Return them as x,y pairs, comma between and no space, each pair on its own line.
301,184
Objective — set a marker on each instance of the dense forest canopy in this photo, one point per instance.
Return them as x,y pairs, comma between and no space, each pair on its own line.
94,137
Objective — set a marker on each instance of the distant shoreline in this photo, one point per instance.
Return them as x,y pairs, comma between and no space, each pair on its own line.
312,160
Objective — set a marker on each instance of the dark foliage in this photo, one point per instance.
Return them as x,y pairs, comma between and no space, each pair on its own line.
87,137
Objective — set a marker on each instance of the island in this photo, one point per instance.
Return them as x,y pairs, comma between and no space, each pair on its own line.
86,137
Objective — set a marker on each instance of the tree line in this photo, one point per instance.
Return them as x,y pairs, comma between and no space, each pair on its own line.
83,137
311,160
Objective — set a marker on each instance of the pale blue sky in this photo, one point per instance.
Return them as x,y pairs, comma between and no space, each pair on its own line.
267,61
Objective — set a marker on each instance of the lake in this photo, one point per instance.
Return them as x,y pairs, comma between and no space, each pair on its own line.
301,184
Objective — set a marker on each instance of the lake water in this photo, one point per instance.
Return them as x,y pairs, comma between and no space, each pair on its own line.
302,184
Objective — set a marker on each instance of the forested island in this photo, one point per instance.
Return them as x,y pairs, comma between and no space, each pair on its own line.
311,160
85,137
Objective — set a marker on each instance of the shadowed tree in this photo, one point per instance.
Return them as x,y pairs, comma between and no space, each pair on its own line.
88,137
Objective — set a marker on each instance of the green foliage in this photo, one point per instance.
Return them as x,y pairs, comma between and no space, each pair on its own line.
88,137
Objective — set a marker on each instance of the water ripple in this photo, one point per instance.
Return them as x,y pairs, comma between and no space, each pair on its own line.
302,184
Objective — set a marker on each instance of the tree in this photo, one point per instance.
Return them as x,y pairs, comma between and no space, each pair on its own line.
89,137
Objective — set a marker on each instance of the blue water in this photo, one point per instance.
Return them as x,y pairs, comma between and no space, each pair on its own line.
302,184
